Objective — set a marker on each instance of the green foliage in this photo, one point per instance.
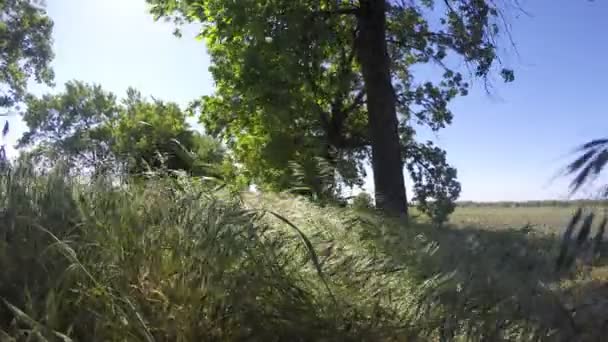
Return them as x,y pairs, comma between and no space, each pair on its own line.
363,200
3,159
25,52
144,129
86,127
161,260
25,48
166,259
435,183
289,86
315,179
71,125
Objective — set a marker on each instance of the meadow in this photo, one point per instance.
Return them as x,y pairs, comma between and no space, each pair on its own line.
171,259
550,220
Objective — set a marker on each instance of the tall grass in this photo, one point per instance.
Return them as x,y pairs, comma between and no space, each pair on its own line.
170,260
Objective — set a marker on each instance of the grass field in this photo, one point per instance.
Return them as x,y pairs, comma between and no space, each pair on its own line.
538,231
549,220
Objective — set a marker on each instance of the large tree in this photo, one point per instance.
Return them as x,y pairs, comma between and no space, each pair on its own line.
71,125
90,129
144,128
25,48
335,78
25,52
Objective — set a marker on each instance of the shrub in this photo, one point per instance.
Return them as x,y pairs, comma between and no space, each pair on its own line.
363,200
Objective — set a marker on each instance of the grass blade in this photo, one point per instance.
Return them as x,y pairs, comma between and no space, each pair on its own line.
311,250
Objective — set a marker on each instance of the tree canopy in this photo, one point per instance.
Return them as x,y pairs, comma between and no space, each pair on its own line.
297,80
89,128
71,125
25,48
25,52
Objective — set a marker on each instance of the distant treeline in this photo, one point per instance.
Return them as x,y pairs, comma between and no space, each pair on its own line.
543,203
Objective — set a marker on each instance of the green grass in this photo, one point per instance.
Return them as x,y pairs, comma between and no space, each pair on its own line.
171,260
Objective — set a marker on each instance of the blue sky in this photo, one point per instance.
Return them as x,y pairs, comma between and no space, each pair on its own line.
507,145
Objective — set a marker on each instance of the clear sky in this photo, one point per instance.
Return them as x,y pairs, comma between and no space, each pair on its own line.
506,146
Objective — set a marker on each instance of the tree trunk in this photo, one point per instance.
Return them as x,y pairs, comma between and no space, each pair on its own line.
382,115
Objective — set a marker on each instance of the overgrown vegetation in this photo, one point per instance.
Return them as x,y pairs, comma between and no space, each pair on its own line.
119,222
89,129
172,260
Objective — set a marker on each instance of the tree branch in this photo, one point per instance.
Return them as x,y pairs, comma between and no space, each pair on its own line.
323,115
449,6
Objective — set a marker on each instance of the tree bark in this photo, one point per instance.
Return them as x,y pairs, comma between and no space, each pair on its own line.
381,106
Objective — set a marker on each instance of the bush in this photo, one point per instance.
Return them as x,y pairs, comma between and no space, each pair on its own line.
363,200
